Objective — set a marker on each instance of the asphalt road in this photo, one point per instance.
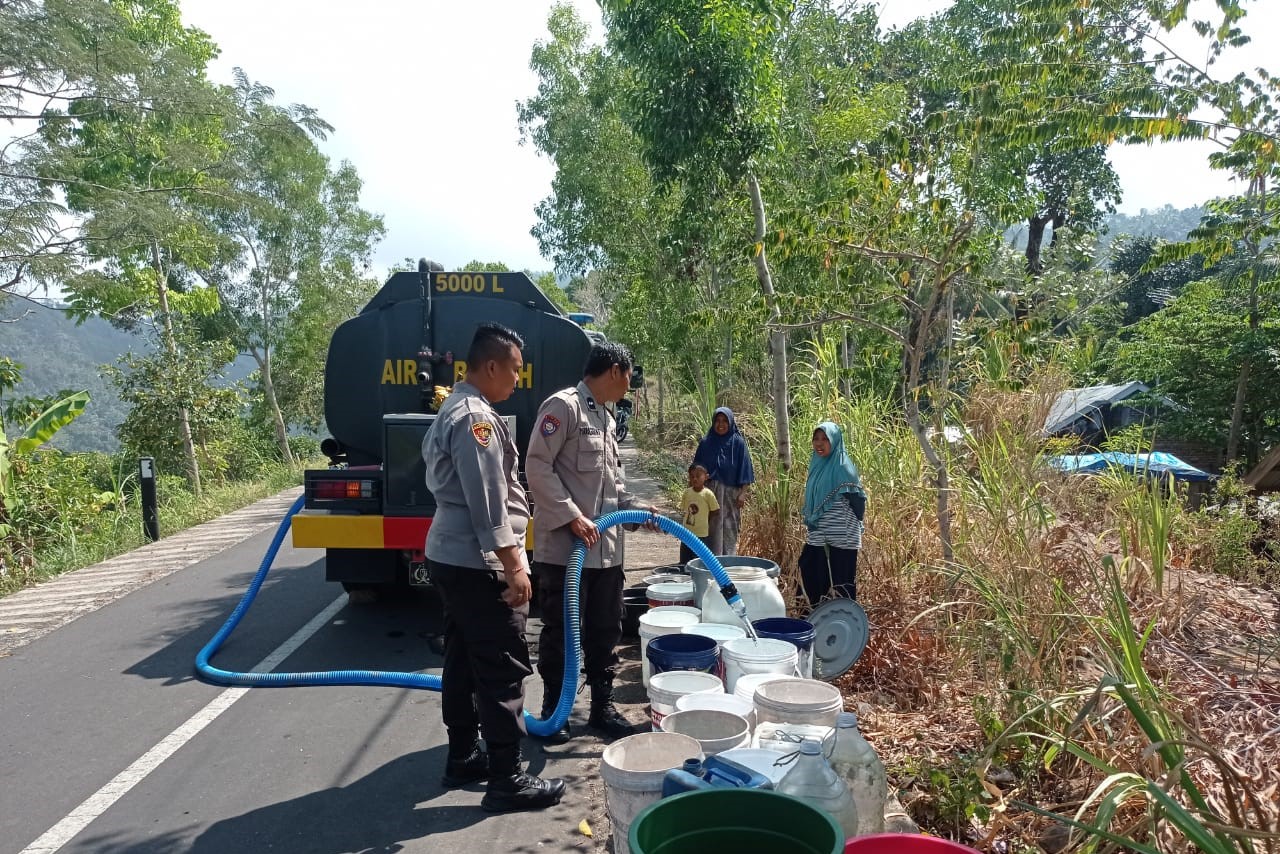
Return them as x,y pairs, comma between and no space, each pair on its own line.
109,744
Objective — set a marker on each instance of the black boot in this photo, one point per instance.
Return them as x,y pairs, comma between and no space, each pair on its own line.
467,763
604,716
551,699
512,790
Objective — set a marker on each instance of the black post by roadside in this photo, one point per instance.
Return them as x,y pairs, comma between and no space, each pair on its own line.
147,480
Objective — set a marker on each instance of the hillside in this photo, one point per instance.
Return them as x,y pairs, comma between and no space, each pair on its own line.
56,354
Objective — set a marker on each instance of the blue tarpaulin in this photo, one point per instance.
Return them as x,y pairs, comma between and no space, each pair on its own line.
1156,462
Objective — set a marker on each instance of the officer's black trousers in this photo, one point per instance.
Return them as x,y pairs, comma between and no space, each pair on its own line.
601,613
485,656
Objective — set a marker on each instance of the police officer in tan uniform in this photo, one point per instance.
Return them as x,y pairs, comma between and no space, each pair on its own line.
476,559
575,476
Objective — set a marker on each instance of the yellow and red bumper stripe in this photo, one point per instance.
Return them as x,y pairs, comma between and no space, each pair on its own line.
319,529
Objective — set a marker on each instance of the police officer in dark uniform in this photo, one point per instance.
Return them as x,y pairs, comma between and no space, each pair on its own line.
476,559
575,476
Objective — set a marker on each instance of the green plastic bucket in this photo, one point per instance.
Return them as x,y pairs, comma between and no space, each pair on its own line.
744,821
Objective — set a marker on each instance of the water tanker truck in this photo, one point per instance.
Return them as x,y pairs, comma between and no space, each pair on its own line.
385,376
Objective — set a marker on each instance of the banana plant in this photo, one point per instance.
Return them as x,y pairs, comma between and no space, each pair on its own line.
39,430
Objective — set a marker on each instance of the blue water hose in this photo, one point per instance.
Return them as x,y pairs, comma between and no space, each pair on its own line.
431,682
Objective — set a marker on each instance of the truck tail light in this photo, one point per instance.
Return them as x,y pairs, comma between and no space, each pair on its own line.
336,490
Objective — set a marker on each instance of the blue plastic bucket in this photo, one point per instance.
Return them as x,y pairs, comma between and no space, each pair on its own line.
683,652
800,633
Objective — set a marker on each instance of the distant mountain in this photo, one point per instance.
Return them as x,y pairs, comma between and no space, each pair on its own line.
56,354
1167,223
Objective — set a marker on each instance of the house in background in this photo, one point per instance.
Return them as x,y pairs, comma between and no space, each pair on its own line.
1091,413
1265,476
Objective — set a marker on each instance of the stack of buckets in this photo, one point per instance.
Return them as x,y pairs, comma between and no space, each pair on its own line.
690,670
715,692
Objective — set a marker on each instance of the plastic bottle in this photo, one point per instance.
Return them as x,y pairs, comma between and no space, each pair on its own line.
855,761
812,781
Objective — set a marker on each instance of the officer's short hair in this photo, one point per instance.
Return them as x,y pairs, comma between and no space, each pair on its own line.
605,356
492,342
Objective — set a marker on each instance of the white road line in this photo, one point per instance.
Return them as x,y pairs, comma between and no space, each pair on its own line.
100,801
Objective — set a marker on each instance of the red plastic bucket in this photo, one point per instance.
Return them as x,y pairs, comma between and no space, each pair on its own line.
904,843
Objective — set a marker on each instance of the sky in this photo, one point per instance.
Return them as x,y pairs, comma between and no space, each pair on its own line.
422,95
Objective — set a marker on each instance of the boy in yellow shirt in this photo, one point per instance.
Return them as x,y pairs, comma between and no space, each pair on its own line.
699,505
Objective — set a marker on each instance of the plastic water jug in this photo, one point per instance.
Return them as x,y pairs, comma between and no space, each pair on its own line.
713,772
813,781
855,761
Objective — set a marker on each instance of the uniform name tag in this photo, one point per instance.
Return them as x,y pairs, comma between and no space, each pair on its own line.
589,431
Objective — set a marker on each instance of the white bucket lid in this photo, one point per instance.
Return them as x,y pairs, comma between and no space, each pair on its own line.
671,590
671,617
720,632
764,649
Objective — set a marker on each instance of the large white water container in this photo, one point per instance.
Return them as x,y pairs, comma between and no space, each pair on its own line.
632,769
757,582
667,620
747,655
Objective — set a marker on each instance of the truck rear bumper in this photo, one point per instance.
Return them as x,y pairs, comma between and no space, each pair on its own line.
320,529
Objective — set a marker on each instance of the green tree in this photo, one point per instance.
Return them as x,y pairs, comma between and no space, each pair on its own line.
137,172
165,387
705,105
65,62
286,219
1145,291
1191,351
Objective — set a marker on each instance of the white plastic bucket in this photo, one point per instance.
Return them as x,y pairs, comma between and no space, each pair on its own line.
767,655
798,701
666,688
670,593
731,703
746,688
632,769
715,731
662,621
719,632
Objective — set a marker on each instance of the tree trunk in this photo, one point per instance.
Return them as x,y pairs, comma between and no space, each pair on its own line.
1035,237
171,344
777,335
662,423
913,386
1257,189
846,382
273,406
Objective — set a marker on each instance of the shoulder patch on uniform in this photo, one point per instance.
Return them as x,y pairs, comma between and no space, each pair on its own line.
550,424
483,432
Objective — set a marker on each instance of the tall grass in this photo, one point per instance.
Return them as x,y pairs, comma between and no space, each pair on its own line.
117,525
1043,651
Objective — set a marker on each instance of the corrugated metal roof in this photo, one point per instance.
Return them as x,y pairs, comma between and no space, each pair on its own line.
1265,476
1076,403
